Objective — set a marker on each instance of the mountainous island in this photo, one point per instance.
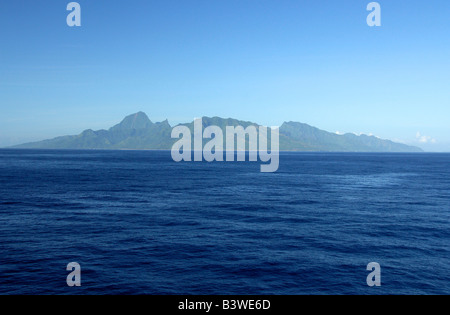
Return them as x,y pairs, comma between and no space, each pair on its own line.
138,132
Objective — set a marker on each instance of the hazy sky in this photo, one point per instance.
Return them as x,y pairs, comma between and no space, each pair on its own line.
267,61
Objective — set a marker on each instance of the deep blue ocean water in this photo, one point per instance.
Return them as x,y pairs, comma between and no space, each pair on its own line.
139,223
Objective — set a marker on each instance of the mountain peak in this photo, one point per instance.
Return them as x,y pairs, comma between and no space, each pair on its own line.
138,120
164,123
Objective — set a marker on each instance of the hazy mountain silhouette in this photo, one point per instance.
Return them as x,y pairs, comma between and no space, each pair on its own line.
137,131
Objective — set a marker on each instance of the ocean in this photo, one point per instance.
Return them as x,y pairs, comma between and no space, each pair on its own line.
139,223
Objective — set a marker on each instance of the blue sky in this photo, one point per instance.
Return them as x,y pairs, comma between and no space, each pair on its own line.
266,61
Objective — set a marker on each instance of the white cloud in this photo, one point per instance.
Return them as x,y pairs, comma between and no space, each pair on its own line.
424,139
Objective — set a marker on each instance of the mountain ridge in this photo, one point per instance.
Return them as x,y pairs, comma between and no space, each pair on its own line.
137,131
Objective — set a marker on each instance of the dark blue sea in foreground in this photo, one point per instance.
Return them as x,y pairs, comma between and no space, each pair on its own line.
139,223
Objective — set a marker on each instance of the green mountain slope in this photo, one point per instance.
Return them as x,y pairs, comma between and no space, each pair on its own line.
138,132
